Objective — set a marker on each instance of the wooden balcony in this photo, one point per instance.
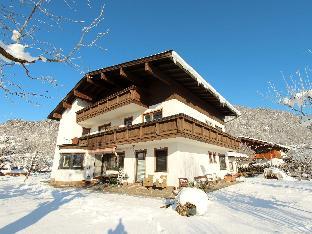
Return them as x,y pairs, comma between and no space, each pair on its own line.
174,126
119,99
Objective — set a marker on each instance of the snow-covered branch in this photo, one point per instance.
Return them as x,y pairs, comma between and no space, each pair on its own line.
297,94
24,28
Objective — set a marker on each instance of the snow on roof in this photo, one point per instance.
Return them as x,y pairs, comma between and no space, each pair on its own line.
266,142
179,61
237,155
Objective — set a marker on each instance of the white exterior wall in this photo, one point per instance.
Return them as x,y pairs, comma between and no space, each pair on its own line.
186,159
169,108
68,129
174,106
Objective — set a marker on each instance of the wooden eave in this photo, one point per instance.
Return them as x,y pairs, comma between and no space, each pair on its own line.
261,146
101,81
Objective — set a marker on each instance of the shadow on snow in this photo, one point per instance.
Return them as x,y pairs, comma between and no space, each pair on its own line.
59,198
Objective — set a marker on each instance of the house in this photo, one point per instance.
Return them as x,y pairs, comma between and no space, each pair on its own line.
264,149
151,116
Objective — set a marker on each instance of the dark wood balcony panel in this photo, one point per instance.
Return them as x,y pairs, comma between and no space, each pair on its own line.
174,126
119,99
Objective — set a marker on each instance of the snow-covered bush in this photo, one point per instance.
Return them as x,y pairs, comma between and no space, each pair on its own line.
193,196
276,173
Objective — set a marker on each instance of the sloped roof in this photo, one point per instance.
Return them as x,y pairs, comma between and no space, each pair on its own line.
171,64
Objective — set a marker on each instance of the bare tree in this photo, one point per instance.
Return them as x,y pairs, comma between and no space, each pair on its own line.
29,29
297,94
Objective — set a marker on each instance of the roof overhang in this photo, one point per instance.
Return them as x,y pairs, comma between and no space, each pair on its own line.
261,143
164,65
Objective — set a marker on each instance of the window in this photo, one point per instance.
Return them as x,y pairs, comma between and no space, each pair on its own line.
161,156
210,157
147,117
66,161
231,166
121,160
128,121
222,162
104,127
86,131
157,115
110,161
77,161
214,157
152,116
71,161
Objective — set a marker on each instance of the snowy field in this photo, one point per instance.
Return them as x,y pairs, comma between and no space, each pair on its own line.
254,206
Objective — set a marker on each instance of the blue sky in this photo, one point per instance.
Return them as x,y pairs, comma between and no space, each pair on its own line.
237,46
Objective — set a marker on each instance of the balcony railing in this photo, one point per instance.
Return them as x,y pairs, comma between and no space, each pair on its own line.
174,126
124,97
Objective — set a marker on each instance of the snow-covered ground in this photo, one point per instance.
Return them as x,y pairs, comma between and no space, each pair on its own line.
254,206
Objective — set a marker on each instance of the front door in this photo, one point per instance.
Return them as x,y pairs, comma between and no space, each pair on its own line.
140,165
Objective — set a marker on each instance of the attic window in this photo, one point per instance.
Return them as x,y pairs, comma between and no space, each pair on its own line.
104,127
86,131
128,121
157,115
152,116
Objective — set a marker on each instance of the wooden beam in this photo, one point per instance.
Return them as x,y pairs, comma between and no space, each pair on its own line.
123,74
66,105
57,116
93,82
153,71
129,77
82,95
106,79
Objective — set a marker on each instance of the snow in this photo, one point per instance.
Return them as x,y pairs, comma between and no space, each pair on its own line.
298,98
194,196
279,173
15,35
18,51
256,205
177,59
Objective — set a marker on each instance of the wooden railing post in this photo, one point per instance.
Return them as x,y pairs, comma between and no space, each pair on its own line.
157,129
115,135
141,132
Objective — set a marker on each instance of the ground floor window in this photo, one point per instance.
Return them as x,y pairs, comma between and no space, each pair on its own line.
231,163
71,161
121,160
222,162
161,156
110,161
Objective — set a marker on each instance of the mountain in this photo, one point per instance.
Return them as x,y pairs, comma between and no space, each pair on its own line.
20,140
270,125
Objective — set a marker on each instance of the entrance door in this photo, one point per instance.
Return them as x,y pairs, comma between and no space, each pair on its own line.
98,166
140,165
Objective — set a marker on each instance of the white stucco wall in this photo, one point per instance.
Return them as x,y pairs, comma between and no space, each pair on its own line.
186,159
68,129
174,106
169,108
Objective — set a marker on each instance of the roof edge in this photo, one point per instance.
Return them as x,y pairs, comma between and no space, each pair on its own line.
178,60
